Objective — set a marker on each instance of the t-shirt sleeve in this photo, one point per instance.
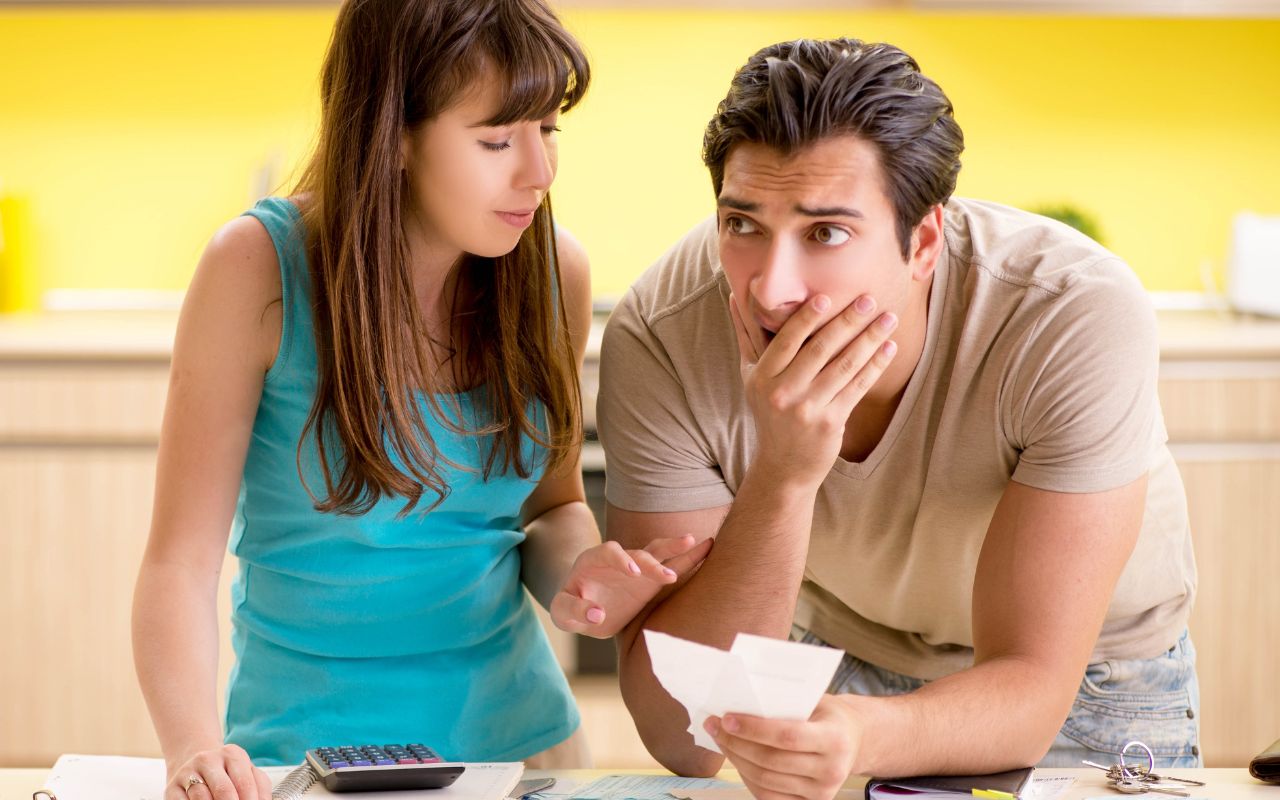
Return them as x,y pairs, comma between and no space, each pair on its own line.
1082,407
656,458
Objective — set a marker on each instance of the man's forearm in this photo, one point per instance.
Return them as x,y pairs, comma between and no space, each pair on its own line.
748,583
998,715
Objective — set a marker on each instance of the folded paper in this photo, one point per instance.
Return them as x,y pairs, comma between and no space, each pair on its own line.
759,676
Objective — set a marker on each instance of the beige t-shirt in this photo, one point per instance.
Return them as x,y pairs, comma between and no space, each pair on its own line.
1039,366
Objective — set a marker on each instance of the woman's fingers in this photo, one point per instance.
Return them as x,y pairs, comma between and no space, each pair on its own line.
652,568
219,785
612,554
670,546
241,772
575,614
686,561
224,773
264,784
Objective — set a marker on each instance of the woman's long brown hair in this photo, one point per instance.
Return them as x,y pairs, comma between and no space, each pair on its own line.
393,65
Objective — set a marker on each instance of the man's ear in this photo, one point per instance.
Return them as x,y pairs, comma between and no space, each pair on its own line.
926,244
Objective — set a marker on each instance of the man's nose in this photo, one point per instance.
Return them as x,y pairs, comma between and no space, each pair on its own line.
779,285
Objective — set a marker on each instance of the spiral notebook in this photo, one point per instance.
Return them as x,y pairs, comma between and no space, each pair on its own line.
82,777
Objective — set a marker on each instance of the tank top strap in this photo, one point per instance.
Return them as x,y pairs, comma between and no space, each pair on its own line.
283,221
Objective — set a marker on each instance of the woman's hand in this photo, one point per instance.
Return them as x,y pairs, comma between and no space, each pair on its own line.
608,585
222,773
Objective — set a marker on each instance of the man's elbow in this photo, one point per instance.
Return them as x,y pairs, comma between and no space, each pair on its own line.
1036,746
685,758
671,746
1035,739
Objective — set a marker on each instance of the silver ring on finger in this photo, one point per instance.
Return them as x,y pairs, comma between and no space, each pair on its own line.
192,782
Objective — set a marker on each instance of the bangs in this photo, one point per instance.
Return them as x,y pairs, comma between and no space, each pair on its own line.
543,67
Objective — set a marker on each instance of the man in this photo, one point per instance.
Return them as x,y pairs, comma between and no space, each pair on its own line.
921,429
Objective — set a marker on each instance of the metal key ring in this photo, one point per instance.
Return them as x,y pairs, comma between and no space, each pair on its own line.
1151,759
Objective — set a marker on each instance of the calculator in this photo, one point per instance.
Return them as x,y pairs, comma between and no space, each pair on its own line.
372,768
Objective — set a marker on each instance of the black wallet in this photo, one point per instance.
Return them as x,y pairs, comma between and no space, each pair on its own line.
1265,766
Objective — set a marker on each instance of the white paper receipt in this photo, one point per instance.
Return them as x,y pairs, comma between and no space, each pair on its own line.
759,676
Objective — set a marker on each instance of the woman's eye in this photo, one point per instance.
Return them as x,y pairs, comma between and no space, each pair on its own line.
547,130
739,226
495,146
830,235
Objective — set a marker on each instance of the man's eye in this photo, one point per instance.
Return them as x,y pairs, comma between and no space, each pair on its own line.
830,235
739,226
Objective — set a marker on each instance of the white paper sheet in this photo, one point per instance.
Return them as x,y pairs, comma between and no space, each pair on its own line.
1050,788
757,676
643,787
80,777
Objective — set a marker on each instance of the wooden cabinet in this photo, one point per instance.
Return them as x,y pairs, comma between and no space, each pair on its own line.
77,462
1222,410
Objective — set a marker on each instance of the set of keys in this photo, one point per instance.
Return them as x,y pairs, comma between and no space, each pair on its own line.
1141,778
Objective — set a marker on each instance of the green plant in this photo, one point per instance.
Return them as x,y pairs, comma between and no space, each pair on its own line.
1068,214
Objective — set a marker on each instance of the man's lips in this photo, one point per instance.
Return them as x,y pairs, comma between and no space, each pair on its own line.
768,330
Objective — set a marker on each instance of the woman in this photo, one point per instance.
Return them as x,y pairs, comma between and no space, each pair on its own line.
374,386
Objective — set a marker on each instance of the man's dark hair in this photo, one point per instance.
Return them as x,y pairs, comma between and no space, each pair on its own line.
793,94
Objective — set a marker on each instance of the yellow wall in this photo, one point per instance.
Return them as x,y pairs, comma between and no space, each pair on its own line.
134,132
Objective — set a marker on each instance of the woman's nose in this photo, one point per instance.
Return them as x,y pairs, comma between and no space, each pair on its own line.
537,165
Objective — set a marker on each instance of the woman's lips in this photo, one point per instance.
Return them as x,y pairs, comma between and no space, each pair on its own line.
516,219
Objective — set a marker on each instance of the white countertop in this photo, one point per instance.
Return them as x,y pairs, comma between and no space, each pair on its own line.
148,336
1221,784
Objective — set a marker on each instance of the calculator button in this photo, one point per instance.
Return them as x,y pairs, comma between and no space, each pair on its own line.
384,762
362,762
408,760
338,764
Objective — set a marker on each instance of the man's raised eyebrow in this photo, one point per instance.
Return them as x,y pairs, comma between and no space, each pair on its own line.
724,201
830,211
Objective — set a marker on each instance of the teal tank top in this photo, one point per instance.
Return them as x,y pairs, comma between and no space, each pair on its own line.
379,629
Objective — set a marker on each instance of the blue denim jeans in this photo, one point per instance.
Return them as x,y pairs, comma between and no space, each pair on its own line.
1155,701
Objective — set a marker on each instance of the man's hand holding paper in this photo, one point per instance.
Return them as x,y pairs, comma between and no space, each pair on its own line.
777,758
